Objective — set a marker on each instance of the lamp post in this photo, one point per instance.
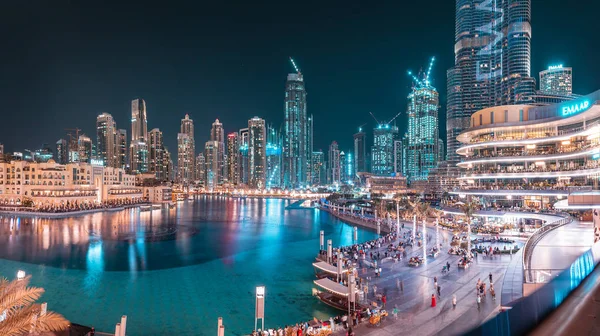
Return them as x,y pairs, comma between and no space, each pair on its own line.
424,240
414,230
260,307
355,234
322,240
398,219
437,234
329,251
20,275
220,327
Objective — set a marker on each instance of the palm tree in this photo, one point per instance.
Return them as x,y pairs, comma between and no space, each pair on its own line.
20,314
469,209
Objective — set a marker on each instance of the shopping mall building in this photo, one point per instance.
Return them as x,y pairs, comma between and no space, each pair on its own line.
533,156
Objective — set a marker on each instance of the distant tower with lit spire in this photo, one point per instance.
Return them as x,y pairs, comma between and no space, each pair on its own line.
422,152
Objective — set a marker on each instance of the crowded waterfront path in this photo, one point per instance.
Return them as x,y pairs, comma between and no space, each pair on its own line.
416,316
175,271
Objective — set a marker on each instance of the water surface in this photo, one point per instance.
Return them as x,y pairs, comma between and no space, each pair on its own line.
175,271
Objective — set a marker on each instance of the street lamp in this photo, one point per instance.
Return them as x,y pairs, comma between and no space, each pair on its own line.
260,307
20,275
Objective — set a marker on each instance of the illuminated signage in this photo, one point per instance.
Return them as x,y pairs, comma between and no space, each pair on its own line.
575,108
554,67
97,162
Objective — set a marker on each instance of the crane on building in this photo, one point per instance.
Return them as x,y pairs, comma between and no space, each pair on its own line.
385,123
294,65
424,82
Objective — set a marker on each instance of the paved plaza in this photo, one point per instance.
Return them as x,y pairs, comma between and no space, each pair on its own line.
416,316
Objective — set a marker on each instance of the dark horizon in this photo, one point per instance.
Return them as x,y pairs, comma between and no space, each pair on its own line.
230,62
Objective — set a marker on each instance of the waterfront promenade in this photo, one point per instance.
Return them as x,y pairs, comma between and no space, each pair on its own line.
416,316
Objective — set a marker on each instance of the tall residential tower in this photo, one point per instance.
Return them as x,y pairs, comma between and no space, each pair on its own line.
492,61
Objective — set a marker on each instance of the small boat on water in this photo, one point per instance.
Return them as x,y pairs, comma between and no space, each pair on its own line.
156,206
334,294
145,207
325,270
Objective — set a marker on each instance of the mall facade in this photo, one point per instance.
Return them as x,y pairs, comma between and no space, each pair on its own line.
531,156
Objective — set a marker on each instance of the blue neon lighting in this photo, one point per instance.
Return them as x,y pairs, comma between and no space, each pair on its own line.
575,108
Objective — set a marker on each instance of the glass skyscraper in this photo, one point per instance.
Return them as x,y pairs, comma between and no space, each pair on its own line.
274,147
257,154
382,162
557,80
422,147
360,151
492,61
297,147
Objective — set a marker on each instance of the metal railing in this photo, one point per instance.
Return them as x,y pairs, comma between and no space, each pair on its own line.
532,242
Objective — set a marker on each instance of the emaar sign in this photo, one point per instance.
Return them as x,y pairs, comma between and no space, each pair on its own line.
575,108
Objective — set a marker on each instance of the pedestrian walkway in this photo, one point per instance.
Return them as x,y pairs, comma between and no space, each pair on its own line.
416,316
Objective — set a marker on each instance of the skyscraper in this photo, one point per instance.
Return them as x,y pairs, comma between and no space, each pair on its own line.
274,158
138,154
211,151
106,137
62,152
156,152
343,171
334,172
360,151
318,168
121,149
138,157
557,80
233,148
257,154
186,150
201,169
296,133
492,61
244,160
422,152
218,134
139,121
85,149
382,151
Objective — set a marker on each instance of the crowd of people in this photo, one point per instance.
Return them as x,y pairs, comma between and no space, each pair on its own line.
69,206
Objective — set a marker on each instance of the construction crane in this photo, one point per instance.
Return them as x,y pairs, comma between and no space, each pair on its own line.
385,123
294,65
425,81
360,127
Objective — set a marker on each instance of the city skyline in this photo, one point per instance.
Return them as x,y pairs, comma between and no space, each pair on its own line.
332,76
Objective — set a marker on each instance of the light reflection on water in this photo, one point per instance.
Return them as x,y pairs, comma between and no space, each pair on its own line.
174,271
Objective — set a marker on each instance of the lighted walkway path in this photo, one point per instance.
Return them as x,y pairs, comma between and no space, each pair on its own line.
416,317
559,248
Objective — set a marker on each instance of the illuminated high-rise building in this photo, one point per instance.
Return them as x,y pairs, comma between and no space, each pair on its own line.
156,155
382,151
557,80
138,157
121,141
492,61
318,168
218,134
186,149
257,152
233,158
139,121
61,155
138,153
422,147
106,140
201,169
211,153
274,158
243,156
297,146
360,151
334,168
85,149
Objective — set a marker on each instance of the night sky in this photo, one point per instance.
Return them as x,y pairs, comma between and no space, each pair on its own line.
62,63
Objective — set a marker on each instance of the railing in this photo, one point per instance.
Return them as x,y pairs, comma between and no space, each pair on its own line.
527,313
532,242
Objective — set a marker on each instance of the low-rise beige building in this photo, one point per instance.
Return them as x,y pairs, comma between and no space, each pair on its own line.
55,184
